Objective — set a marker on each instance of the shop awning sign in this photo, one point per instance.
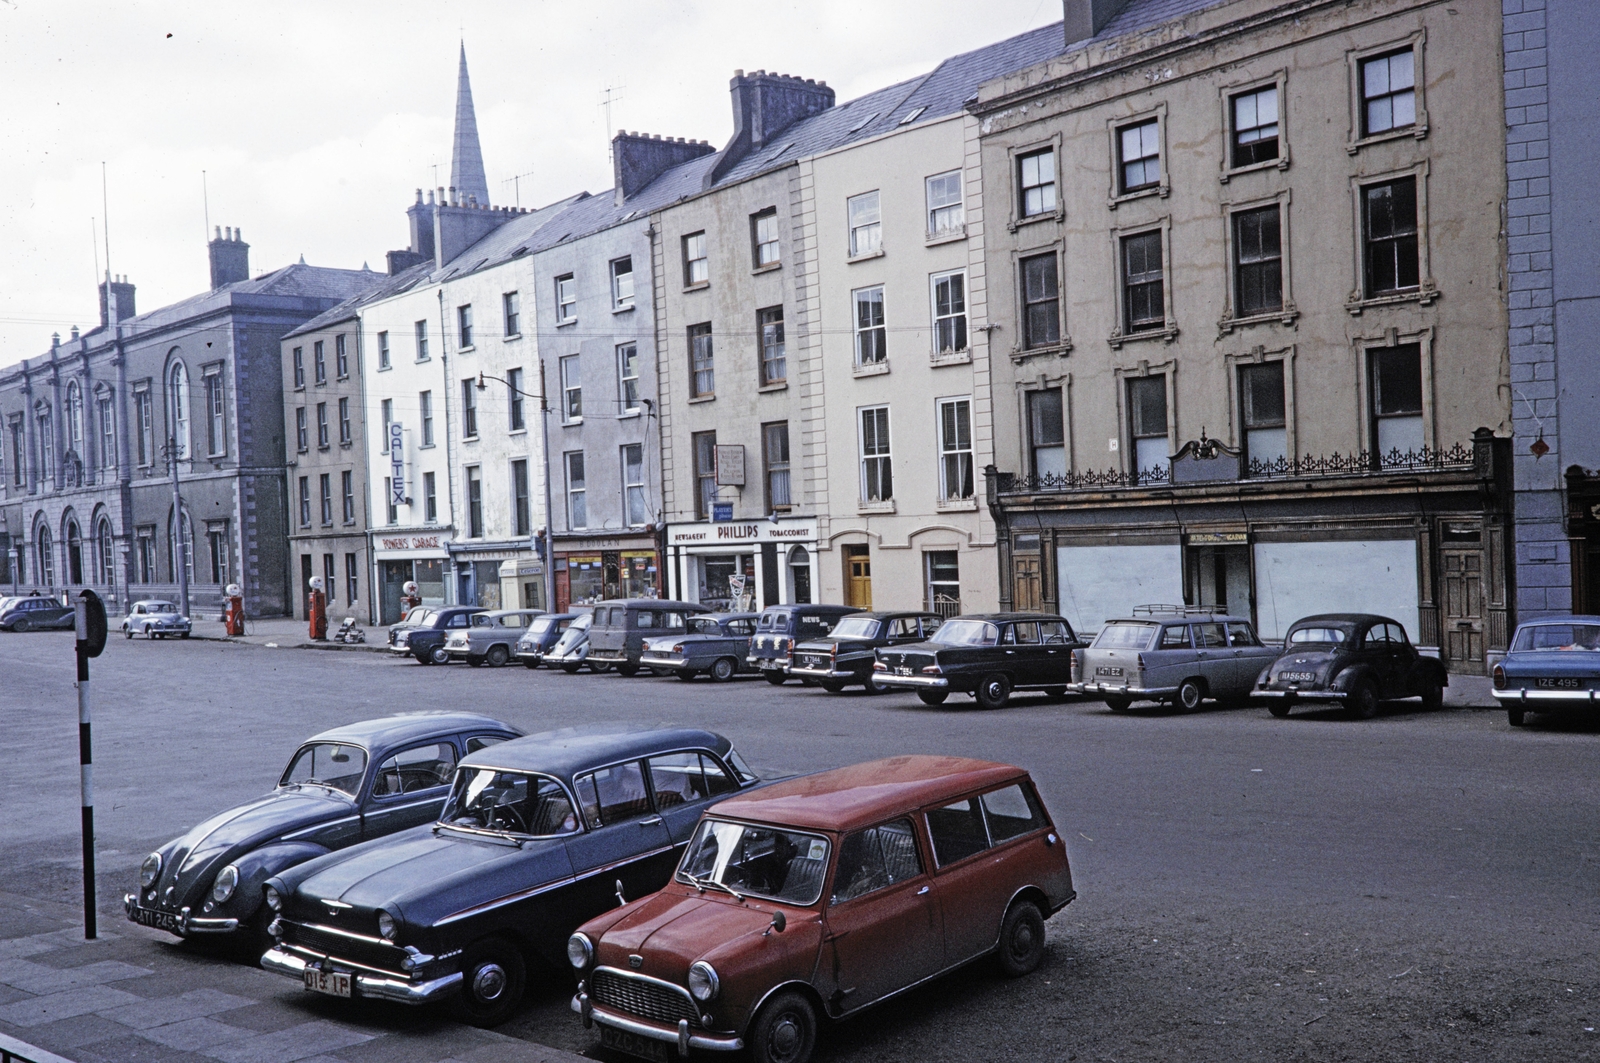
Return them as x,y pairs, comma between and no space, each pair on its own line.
397,464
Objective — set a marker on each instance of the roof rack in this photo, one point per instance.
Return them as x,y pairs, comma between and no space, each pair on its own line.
1162,609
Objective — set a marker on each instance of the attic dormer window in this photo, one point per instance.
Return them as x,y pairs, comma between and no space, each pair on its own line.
859,126
912,117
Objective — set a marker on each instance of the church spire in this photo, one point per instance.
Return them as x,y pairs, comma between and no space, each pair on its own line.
466,157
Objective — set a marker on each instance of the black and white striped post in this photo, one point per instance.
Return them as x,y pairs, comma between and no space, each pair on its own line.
90,624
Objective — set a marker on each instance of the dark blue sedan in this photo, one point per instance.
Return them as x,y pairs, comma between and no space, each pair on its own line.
538,836
350,784
1553,665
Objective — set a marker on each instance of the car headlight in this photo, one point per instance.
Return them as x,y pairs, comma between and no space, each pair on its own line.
580,951
150,870
386,926
227,881
703,981
274,899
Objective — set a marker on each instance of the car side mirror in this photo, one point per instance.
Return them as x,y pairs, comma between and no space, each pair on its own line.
778,923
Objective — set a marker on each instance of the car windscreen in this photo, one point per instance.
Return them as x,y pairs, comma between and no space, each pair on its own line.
1124,636
740,768
161,607
757,861
334,764
1321,635
1557,637
857,627
541,625
583,623
488,799
703,625
419,615
966,633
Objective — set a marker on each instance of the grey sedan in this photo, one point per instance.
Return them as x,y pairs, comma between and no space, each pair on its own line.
1180,657
715,644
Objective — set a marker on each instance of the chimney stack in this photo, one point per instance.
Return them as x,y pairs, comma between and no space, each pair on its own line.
637,159
764,105
1082,19
122,301
230,258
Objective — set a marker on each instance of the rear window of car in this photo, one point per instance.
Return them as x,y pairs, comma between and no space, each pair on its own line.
1320,636
1557,637
1123,636
1011,812
773,621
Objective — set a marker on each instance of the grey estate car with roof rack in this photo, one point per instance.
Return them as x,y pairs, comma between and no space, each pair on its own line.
537,836
1171,653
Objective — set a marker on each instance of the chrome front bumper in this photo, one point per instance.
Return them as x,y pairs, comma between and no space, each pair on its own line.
930,682
684,1037
180,922
1523,694
280,961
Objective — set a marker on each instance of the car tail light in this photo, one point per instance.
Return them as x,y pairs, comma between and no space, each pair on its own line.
932,669
678,648
1141,662
833,653
1499,678
879,666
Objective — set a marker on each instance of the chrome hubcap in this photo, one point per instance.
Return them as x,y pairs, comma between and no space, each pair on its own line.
489,982
786,1036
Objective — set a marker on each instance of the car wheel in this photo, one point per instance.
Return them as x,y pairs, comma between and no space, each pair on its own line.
832,686
438,656
1515,717
1432,695
127,633
599,668
497,656
531,666
183,635
1021,940
933,697
1363,700
870,685
1055,692
1279,708
628,670
1117,704
722,670
785,1031
571,669
777,679
993,691
1189,696
493,978
685,674
475,660
22,624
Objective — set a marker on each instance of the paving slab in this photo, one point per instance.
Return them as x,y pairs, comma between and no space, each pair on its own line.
36,1011
288,1046
195,1004
39,978
196,1035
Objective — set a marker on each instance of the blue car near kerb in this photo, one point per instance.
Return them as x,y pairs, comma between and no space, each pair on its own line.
1553,666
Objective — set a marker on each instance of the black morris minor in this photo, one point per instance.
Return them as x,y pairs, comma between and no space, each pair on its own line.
1353,659
343,786
1553,666
36,612
537,836
987,655
844,656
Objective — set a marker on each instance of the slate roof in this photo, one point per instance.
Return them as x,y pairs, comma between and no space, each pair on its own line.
349,308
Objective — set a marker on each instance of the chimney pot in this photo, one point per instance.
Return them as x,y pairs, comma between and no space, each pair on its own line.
74,331
219,232
738,73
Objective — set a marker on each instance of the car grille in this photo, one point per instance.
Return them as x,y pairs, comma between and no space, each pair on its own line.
645,997
363,953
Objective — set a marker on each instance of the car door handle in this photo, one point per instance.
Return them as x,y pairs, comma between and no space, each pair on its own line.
922,891
653,821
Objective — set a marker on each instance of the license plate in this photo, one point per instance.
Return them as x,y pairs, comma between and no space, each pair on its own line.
902,671
1297,677
633,1044
1558,684
1102,670
333,983
156,920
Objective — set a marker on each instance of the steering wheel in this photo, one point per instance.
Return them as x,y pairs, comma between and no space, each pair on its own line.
500,815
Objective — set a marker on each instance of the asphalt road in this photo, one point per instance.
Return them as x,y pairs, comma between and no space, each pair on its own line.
1422,886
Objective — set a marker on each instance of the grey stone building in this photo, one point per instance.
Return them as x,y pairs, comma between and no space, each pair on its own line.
1551,226
93,426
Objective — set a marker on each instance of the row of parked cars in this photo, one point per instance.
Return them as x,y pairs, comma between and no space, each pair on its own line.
693,903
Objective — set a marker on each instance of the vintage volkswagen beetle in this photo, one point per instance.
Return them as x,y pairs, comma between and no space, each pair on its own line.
537,836
1171,654
987,655
781,627
1553,665
155,619
37,612
844,656
821,896
490,638
1357,659
541,637
713,644
572,648
352,783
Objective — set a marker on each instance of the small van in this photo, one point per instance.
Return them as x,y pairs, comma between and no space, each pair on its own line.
781,627
621,626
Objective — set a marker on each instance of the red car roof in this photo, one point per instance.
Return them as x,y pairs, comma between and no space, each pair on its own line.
850,798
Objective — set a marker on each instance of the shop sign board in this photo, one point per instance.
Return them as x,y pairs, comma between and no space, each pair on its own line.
718,533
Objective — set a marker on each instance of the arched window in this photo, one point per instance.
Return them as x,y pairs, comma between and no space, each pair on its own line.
800,575
178,402
74,553
47,562
177,549
108,553
75,419
47,443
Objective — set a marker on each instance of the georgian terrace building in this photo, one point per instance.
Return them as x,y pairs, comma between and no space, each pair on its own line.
92,427
1246,273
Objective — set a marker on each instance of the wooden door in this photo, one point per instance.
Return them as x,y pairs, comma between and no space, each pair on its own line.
858,577
1463,609
1025,585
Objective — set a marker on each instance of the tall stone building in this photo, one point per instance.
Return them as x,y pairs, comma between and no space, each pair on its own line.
94,427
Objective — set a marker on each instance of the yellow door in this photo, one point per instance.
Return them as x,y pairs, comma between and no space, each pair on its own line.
858,577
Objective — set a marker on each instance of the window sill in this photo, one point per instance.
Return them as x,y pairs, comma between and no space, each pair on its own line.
1163,190
956,505
321,384
517,432
511,337
703,398
1424,296
426,446
344,444
949,236
864,257
622,309
768,268
421,361
697,287
1286,316
628,415
1280,163
1033,219
871,369
777,385
297,387
469,439
384,368
1166,335
1020,355
567,322
1417,131
885,506
466,348
337,379
573,423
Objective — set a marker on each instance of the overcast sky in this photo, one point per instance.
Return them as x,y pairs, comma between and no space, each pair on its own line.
316,121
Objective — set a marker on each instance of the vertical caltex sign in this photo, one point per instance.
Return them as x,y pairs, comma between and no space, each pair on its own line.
90,625
397,464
